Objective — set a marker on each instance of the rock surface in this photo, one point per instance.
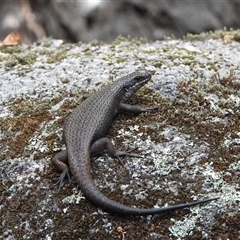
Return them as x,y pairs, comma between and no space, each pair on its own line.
191,144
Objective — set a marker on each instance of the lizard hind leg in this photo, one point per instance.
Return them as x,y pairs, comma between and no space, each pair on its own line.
60,161
105,144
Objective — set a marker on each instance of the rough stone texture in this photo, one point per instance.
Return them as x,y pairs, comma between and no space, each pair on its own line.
191,144
104,20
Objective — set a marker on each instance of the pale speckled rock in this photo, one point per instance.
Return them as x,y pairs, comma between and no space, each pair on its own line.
40,85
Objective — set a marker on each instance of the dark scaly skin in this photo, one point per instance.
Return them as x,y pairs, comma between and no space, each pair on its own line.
84,135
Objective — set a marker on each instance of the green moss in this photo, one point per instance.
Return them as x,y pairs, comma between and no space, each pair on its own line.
56,57
22,58
225,34
121,60
11,49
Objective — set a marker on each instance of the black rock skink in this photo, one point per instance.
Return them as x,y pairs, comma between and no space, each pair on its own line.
84,135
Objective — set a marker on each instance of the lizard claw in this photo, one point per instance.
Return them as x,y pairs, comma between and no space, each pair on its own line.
60,181
126,153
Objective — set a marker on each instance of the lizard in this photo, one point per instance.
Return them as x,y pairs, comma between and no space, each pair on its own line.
84,135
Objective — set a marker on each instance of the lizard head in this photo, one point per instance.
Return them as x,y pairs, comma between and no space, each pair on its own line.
134,81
